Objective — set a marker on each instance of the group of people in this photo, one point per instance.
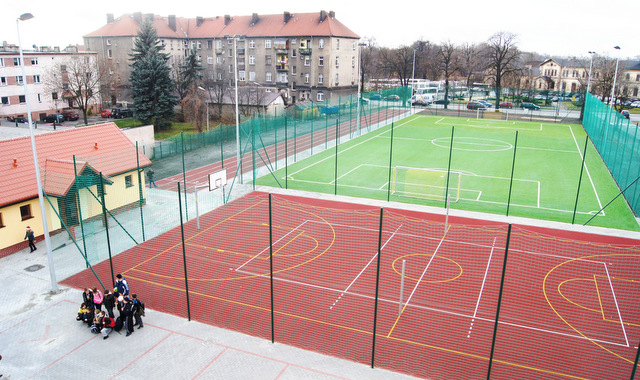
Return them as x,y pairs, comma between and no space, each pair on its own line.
130,309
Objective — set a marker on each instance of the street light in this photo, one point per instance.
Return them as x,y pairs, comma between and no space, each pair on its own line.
360,45
43,212
591,53
615,76
413,75
235,75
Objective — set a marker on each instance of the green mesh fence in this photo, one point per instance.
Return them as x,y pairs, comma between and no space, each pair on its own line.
617,141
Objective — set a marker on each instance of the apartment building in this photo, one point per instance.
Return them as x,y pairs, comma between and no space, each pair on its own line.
38,64
303,56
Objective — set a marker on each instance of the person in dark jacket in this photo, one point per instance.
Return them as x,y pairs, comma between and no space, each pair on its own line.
128,310
87,297
109,302
139,311
121,285
32,238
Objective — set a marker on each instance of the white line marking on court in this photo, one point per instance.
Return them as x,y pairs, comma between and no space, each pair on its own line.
624,331
363,269
538,194
267,248
586,168
484,279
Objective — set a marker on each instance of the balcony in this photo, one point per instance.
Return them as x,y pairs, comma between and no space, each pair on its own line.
240,50
304,51
282,67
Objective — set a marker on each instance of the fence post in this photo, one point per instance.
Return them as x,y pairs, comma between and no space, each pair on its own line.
335,183
390,164
286,155
375,308
184,254
140,190
446,191
584,156
184,177
106,225
513,166
273,336
495,325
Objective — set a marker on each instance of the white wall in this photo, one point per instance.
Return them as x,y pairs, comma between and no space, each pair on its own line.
143,136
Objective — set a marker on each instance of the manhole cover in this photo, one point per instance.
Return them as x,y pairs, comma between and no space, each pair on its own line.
34,267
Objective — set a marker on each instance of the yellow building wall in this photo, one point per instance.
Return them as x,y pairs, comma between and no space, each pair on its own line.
118,194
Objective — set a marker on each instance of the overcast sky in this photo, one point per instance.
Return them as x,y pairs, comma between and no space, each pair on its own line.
550,27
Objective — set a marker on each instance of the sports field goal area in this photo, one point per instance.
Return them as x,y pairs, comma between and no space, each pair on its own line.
520,168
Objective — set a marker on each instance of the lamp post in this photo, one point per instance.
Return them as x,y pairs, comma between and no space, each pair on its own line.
43,212
591,53
359,83
615,76
235,76
413,75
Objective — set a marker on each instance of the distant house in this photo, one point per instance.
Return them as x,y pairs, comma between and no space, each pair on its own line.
72,163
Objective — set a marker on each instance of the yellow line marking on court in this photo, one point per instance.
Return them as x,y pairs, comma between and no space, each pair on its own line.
599,298
544,291
573,302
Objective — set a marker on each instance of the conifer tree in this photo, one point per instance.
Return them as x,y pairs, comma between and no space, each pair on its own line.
151,83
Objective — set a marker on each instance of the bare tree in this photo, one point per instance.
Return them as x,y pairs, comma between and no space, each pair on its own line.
110,86
367,59
502,58
470,63
398,63
448,64
194,106
77,79
218,90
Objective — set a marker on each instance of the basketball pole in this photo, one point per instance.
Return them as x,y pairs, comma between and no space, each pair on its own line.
401,287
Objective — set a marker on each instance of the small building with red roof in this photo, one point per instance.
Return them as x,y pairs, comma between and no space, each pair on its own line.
75,166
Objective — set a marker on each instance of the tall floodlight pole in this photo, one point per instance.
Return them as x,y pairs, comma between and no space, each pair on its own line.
615,76
235,76
359,75
413,75
43,212
591,53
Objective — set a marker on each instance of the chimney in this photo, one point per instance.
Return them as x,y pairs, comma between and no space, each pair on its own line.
109,18
199,21
172,22
332,14
323,15
137,18
150,17
227,20
254,19
287,17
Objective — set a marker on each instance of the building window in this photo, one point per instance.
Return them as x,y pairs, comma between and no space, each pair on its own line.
39,99
22,98
54,96
337,44
252,59
5,100
293,70
252,44
267,60
320,78
25,212
199,45
293,53
16,61
109,54
219,59
36,79
209,44
307,60
267,44
353,61
1,62
127,181
353,46
219,76
230,69
3,81
321,43
108,42
34,61
268,77
337,78
252,76
637,77
230,53
320,61
19,80
320,96
1,221
242,76
210,59
306,78
337,61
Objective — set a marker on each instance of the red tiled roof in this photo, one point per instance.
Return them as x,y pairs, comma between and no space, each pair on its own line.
300,24
104,148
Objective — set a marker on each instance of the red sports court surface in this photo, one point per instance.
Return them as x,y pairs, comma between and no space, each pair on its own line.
568,310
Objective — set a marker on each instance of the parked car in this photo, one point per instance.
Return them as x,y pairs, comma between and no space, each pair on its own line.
486,103
420,102
72,116
529,106
106,112
54,118
473,105
21,119
635,104
375,97
121,113
393,98
506,105
441,101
